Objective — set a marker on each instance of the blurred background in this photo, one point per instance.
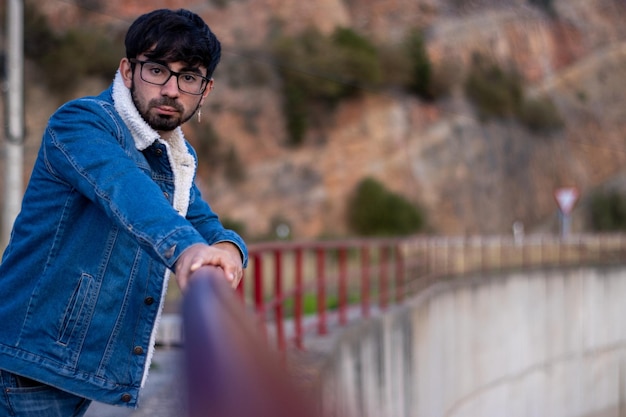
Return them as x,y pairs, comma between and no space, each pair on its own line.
454,122
343,118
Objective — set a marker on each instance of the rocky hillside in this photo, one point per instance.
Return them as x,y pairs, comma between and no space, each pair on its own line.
471,176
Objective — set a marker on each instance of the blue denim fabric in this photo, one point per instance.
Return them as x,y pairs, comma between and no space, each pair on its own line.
37,400
82,280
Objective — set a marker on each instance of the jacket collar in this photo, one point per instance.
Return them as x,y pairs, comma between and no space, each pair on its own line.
182,162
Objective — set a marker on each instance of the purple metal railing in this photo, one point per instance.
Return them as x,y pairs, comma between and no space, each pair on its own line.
351,278
230,372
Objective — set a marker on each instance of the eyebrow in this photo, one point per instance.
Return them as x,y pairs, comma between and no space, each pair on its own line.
187,68
191,69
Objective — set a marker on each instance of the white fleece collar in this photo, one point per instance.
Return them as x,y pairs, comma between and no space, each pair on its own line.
181,161
183,164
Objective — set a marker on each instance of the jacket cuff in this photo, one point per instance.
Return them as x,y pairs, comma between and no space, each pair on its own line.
242,251
170,249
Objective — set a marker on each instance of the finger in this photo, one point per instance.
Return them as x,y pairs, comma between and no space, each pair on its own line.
201,261
235,282
232,272
196,265
182,279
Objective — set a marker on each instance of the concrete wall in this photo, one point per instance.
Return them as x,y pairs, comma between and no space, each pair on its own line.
543,343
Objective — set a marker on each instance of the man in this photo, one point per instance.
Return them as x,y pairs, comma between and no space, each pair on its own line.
110,210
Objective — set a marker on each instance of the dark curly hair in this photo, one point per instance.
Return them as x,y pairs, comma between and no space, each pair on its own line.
174,35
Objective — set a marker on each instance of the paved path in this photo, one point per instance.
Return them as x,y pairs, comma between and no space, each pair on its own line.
161,397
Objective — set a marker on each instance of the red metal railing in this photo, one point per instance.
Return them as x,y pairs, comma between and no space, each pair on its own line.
310,286
300,288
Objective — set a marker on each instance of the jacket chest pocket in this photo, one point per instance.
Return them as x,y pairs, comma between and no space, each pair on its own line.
79,306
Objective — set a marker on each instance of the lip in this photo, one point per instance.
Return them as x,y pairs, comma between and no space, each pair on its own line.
166,110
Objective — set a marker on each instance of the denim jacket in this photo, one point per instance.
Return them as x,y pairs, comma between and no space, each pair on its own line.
108,210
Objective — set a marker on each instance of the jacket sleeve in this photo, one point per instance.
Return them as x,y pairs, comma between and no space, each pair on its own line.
207,223
83,147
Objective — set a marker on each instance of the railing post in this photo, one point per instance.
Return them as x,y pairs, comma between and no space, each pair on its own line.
298,293
321,292
342,290
278,300
399,273
384,277
365,281
258,292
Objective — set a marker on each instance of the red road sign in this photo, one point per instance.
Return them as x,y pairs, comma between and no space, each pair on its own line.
566,198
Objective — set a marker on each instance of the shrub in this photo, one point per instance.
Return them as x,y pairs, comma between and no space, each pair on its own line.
235,225
317,71
214,156
445,76
608,211
500,94
540,115
295,109
305,63
234,169
93,5
496,93
64,59
358,65
375,211
221,4
396,66
407,66
208,145
546,5
332,68
80,53
244,69
38,36
421,67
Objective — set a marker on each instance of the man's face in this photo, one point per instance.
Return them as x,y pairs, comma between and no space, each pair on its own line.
163,107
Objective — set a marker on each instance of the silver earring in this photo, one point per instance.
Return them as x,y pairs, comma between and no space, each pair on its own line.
199,115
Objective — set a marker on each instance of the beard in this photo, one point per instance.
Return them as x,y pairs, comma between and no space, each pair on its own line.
161,122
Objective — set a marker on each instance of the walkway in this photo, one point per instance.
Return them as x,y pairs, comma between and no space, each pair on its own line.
161,397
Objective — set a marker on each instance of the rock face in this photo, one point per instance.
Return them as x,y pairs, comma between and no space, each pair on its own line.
472,177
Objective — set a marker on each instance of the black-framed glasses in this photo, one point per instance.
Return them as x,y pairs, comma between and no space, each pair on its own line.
159,74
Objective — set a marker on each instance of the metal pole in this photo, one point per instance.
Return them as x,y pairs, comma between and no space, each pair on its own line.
15,118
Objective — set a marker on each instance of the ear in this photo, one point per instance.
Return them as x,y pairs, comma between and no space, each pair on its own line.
126,70
207,91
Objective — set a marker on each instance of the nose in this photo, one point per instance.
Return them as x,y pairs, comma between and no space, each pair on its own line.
170,88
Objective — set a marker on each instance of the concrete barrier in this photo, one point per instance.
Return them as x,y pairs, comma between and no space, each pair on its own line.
535,343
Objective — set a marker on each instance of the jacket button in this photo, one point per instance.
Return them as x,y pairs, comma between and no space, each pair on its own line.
158,152
166,195
149,301
138,350
126,398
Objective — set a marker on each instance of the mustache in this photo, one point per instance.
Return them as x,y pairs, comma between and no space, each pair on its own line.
166,101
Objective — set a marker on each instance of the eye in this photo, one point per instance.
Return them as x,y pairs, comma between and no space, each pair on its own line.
156,70
189,78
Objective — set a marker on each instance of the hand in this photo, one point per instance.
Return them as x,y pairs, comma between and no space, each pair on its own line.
223,254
